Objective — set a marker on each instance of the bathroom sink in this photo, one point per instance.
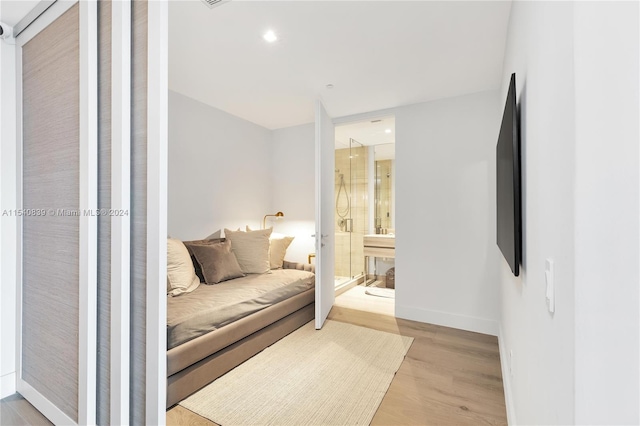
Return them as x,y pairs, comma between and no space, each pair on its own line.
379,245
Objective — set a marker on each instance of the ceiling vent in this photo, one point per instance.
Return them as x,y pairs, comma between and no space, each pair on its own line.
213,3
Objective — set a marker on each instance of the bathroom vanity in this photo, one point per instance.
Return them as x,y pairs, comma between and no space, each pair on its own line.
378,245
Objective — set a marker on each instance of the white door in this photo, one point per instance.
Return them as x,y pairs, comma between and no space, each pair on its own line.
325,256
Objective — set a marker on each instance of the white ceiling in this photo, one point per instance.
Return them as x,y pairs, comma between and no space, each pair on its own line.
12,11
377,54
376,131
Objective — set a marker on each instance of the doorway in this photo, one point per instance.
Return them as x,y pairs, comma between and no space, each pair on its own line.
365,204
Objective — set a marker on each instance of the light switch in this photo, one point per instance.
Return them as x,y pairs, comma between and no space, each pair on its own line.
551,290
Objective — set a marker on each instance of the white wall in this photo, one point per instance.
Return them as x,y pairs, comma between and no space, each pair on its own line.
577,71
539,50
607,213
293,187
8,224
227,172
219,170
446,257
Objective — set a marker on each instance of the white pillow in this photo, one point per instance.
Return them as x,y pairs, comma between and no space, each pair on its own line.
278,250
251,249
278,245
181,275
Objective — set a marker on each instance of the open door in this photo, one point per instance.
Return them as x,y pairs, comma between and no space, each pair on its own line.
325,257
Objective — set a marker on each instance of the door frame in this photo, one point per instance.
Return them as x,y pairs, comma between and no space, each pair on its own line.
367,116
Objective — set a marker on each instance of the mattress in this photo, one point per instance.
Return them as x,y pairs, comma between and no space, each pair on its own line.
211,307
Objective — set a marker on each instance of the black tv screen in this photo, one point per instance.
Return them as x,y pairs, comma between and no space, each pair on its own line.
508,186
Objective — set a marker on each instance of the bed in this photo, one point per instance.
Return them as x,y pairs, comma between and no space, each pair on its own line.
217,327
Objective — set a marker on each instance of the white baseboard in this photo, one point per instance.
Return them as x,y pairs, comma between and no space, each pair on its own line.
462,322
506,378
7,385
42,404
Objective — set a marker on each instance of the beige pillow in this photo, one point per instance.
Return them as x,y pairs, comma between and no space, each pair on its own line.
181,275
251,249
278,250
216,261
278,245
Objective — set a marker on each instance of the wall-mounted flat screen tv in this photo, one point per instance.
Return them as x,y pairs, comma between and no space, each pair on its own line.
508,184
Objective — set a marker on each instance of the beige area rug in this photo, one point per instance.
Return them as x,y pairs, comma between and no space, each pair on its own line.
334,376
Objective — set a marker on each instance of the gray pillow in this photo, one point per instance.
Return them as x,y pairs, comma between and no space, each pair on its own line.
196,265
217,262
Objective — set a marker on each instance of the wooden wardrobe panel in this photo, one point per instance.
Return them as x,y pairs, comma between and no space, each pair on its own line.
50,288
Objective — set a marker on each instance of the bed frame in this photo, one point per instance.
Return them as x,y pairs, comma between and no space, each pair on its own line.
200,361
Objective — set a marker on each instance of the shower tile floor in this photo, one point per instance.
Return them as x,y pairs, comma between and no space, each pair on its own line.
341,280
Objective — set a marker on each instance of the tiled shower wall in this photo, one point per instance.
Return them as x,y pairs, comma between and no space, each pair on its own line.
352,163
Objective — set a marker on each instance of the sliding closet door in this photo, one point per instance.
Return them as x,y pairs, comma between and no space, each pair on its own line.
93,101
138,211
51,284
104,370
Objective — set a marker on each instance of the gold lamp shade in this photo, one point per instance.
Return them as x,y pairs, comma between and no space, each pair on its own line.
264,220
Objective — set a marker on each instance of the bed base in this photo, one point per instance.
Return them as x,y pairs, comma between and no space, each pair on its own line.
191,379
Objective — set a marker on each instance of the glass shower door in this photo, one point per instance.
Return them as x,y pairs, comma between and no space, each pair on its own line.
351,207
359,208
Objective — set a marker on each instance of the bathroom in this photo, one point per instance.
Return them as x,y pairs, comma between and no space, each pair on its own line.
365,206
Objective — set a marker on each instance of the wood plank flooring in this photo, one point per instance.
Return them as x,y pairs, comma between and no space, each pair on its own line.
16,411
449,377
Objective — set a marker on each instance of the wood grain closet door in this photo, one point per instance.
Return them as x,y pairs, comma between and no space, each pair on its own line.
51,174
93,140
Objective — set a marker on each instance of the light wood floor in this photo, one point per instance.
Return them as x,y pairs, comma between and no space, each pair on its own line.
16,411
449,377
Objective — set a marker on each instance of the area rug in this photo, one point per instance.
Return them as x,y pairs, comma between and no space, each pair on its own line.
334,376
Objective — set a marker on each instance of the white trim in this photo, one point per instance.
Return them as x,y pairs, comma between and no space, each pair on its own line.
506,378
9,225
38,10
157,170
8,384
19,205
318,207
42,404
120,202
88,274
51,14
447,319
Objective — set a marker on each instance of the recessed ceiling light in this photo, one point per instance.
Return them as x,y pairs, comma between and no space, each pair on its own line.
270,36
387,131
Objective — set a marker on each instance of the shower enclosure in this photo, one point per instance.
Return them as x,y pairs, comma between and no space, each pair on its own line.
351,211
